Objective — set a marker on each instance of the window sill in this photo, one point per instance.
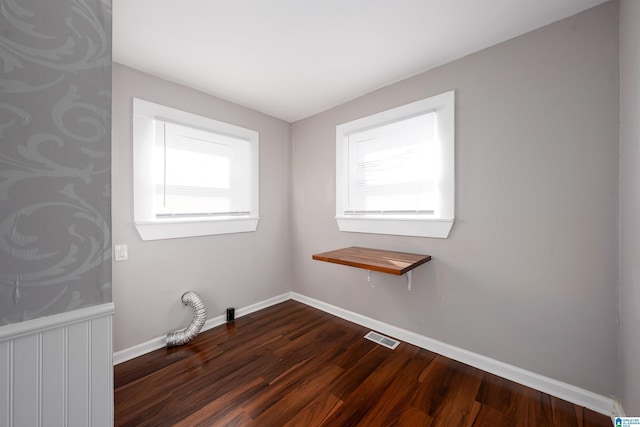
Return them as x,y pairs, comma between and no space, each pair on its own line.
173,229
438,228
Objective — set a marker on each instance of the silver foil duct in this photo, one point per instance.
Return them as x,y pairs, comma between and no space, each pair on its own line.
199,317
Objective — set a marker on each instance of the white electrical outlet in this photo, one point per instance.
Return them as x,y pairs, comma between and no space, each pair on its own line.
121,252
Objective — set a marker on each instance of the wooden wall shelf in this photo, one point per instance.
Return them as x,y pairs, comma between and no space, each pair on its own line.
390,262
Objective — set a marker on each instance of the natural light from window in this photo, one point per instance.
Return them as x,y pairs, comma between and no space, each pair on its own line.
193,175
395,170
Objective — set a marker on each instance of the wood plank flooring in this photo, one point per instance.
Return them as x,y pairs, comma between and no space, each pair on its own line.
293,365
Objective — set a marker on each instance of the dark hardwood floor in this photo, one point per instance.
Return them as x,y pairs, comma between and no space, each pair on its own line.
293,365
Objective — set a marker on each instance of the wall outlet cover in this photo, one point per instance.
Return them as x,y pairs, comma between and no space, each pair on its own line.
121,252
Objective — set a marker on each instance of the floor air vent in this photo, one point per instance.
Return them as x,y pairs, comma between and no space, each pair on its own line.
382,340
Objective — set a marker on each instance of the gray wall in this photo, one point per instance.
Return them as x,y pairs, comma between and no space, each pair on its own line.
529,273
55,88
629,206
231,270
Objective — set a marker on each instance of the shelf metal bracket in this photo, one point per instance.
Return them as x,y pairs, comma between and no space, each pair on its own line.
409,280
369,276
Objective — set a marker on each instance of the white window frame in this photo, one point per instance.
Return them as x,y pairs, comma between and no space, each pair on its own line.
437,224
151,227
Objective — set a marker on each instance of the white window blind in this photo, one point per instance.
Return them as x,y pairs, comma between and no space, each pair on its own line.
200,173
192,175
393,168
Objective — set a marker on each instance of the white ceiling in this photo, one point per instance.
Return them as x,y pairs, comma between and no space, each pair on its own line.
295,58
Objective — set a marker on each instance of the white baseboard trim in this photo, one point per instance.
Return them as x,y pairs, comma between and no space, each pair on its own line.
601,404
617,410
568,392
159,342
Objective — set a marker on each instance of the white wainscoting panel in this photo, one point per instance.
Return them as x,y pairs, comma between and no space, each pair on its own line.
58,370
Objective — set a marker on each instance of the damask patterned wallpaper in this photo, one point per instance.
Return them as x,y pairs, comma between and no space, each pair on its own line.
55,140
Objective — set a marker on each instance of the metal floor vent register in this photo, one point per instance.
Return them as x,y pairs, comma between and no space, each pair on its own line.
382,340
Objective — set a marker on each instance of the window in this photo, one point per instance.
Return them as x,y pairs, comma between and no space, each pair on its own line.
395,170
193,176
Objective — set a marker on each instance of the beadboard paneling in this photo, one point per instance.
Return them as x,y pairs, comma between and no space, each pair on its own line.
58,371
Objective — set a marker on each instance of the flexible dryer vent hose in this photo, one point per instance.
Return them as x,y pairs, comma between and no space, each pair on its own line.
199,317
